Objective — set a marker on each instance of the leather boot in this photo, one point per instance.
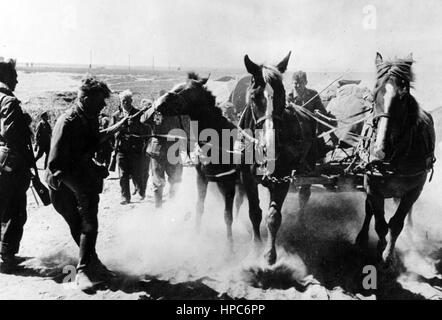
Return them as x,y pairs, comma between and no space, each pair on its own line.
158,198
87,249
85,278
172,190
8,264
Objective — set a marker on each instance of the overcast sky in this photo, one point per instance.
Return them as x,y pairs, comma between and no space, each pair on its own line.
323,35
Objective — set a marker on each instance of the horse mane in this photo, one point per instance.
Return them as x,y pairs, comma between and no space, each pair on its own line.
178,87
208,95
399,70
193,76
416,112
271,73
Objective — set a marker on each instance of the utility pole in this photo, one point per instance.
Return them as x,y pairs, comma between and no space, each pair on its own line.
90,59
129,62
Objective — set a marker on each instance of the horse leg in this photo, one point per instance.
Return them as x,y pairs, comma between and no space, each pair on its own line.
376,203
227,188
362,238
255,213
304,196
396,223
410,217
397,201
202,183
273,219
239,199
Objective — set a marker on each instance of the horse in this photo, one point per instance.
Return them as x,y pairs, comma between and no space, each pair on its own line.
286,144
404,142
193,99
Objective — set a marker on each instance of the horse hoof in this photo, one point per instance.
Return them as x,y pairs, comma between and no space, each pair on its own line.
388,256
270,256
388,266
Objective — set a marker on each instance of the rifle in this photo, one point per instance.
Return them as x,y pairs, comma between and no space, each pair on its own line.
113,162
41,190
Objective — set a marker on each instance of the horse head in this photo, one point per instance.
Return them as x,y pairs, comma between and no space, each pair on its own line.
393,83
188,98
266,99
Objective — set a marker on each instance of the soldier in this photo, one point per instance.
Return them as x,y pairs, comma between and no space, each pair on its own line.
310,100
16,160
74,178
131,151
146,104
157,149
104,154
43,136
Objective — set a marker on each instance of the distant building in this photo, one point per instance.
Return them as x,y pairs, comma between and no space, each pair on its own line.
2,59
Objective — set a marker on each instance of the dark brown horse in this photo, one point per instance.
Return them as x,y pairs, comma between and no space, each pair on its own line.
285,143
404,147
209,130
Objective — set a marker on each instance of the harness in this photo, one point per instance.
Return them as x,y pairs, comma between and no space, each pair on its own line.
382,168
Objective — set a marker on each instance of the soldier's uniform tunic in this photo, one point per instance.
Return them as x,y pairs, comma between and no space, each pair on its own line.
15,135
75,180
131,156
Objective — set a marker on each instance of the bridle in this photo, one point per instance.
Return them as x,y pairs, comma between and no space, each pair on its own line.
267,137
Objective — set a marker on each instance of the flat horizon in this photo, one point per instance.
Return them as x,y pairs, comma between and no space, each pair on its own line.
35,65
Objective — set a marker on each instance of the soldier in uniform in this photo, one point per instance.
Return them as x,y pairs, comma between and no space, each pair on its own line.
131,150
75,179
157,149
146,104
16,160
43,136
104,153
310,100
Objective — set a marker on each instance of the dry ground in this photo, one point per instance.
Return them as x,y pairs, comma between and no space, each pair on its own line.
158,254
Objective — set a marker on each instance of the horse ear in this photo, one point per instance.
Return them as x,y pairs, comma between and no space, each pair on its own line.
378,59
203,81
409,59
12,62
282,66
251,67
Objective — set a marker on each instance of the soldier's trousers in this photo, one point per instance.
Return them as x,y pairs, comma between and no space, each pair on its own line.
145,171
161,167
43,150
80,210
132,165
13,215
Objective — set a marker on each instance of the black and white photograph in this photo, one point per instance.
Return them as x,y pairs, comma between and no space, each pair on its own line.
242,151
